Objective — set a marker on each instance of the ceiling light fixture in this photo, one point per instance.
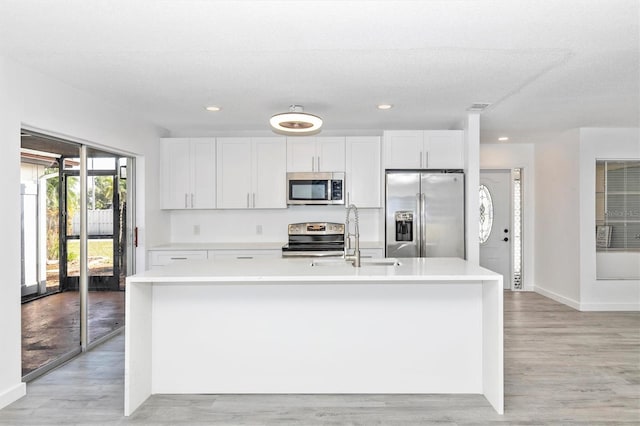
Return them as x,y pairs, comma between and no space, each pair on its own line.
296,122
213,108
503,139
385,106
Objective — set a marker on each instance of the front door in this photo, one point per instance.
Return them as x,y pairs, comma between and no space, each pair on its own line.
495,222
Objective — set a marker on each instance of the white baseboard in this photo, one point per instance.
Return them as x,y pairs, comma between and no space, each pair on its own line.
589,307
12,394
614,307
558,298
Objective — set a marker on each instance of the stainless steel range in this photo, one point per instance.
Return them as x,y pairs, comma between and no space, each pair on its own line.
315,239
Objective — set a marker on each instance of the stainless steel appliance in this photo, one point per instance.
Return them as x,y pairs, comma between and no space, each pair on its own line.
315,188
315,239
425,214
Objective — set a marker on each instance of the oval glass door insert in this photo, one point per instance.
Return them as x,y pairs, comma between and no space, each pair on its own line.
486,214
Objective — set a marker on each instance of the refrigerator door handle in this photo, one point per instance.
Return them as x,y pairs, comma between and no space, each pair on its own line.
423,225
417,224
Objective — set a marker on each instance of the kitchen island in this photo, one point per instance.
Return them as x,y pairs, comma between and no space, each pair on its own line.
287,326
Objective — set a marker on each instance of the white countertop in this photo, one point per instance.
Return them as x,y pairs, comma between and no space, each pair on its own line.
301,271
274,245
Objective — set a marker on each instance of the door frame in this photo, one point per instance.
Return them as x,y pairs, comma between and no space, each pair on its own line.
130,242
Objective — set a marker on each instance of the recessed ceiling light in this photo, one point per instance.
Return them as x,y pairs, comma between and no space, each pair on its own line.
213,108
503,138
385,106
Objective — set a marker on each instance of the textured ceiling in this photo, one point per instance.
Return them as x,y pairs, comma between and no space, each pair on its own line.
544,65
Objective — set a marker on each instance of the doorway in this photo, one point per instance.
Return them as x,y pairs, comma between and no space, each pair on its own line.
59,320
106,214
500,216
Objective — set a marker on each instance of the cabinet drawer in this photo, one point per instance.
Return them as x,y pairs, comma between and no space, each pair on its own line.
160,258
372,253
244,254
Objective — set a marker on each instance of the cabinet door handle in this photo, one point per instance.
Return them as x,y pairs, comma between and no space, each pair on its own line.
178,258
254,200
313,164
185,200
244,257
192,200
318,163
426,160
247,200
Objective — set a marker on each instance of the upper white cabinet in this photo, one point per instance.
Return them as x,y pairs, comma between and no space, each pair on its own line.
363,171
444,149
251,173
429,149
315,154
187,173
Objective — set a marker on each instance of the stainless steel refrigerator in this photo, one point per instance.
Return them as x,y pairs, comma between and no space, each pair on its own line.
424,214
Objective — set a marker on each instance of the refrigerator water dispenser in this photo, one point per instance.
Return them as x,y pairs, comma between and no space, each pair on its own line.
404,226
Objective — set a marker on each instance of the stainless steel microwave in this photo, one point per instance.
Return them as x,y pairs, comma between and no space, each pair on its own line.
315,188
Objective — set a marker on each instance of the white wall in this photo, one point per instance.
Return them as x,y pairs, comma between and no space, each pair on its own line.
37,102
241,225
11,387
511,156
604,294
557,204
61,110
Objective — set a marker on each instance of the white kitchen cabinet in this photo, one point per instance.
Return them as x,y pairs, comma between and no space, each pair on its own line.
251,173
428,149
245,254
166,257
371,253
315,154
269,160
187,173
403,149
363,171
444,149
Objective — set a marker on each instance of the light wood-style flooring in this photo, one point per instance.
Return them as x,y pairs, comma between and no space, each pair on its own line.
562,367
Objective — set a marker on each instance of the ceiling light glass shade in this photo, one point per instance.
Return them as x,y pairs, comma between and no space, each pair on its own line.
296,122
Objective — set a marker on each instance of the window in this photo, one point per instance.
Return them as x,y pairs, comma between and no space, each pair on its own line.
516,229
617,205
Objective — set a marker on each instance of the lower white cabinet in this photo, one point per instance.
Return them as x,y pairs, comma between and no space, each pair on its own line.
165,257
244,254
374,253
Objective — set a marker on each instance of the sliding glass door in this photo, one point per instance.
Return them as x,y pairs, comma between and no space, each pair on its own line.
87,302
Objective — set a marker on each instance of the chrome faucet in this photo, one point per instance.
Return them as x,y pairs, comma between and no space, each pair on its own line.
354,257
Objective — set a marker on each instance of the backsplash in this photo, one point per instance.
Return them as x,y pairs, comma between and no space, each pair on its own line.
195,226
